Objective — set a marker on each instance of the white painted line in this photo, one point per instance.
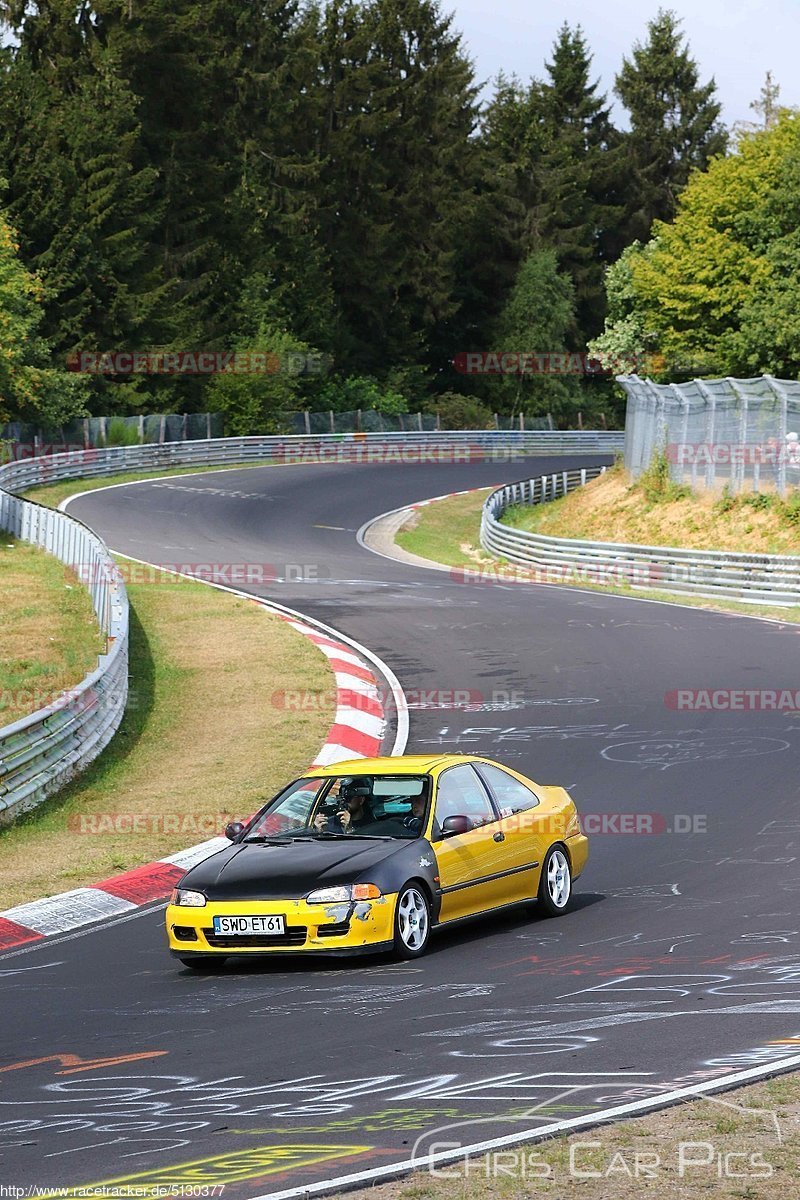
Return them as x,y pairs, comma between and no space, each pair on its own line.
376,1174
334,754
69,910
340,655
358,687
196,854
364,722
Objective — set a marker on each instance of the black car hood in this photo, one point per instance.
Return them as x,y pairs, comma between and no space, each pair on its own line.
272,871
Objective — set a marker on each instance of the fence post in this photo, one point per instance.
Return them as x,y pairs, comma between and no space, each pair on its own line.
738,468
333,427
711,469
676,470
162,425
307,416
778,391
208,426
496,421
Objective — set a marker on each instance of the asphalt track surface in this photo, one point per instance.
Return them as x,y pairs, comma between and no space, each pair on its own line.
677,962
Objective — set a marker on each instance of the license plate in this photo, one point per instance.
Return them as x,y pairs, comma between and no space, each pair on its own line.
231,926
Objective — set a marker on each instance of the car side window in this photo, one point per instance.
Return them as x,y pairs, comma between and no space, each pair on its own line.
461,793
511,795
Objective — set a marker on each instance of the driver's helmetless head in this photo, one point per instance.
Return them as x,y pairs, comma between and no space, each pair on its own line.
355,791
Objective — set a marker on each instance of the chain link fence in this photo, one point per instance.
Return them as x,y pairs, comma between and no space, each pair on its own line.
743,434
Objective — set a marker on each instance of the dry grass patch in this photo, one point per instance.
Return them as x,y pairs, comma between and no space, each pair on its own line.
612,509
205,738
746,1148
49,636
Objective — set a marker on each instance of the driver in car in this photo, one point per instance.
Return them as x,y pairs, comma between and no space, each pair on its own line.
415,818
355,811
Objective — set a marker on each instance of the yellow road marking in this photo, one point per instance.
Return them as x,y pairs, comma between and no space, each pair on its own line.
234,1167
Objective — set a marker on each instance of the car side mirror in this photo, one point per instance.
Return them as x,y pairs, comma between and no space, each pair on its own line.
456,824
233,829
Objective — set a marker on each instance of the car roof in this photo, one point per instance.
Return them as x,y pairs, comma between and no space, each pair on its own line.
397,764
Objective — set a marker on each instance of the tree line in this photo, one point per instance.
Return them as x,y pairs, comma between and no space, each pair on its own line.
319,179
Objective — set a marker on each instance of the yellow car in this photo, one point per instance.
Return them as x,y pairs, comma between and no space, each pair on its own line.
374,854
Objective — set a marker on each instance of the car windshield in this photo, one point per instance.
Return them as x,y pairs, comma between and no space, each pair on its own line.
345,806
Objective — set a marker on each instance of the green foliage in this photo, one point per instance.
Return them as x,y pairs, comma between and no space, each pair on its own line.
674,122
359,392
227,175
255,403
726,502
565,160
120,433
537,319
655,482
461,412
786,508
717,292
29,389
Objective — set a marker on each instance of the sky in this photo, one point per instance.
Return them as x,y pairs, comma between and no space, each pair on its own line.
736,41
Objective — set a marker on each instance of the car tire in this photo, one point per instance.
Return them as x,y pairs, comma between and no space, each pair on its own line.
412,922
204,962
555,885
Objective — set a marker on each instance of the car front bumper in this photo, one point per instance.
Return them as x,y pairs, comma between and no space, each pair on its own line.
350,928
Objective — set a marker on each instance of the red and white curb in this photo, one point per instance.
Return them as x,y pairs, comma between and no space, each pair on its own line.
357,732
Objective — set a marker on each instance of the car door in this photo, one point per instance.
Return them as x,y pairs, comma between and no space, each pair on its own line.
526,825
470,865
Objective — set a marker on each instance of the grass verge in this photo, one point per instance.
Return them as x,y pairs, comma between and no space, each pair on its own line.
204,739
741,1144
49,636
448,531
656,512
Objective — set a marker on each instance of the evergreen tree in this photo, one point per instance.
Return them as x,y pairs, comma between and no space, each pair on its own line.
31,389
80,194
538,319
397,107
580,210
674,122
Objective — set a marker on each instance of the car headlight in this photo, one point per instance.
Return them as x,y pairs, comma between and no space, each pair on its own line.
188,898
344,894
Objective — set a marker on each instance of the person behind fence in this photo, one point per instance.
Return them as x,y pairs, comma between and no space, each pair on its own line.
792,451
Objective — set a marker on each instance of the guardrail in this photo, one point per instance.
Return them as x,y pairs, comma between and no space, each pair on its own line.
41,752
459,446
752,578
